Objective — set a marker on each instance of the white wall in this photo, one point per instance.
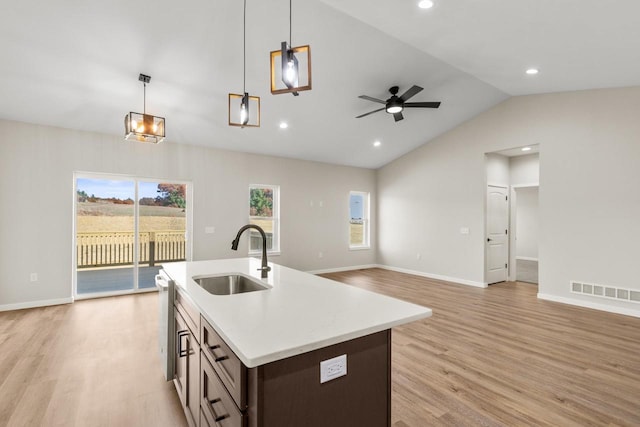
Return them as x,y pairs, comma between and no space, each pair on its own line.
36,178
498,170
524,170
527,223
588,204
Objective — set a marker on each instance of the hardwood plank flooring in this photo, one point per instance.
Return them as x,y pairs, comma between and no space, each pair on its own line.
91,363
501,357
488,357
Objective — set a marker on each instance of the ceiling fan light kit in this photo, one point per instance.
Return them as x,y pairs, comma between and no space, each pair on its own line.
144,127
396,104
244,110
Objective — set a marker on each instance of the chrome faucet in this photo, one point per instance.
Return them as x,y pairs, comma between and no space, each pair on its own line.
234,245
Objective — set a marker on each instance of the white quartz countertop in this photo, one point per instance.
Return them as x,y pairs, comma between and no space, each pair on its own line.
299,312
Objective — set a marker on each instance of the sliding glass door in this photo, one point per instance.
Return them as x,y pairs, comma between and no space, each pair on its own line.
162,226
124,229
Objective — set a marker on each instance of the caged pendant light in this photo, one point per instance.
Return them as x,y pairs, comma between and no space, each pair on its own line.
144,127
290,67
244,110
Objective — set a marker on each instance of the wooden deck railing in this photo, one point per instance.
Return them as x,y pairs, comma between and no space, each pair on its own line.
117,248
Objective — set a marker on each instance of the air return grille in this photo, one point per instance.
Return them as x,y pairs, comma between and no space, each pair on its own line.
620,294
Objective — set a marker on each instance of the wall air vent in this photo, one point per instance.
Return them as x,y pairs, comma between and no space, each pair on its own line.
609,292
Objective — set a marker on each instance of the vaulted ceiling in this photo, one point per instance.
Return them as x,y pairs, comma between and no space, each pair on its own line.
75,64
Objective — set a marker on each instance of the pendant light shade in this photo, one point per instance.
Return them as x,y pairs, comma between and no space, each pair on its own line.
290,69
144,127
290,66
244,110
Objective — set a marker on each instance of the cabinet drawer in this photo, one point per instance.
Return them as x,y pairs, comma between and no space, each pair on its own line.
216,406
189,311
226,364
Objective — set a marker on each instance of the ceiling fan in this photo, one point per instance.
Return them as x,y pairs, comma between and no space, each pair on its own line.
396,104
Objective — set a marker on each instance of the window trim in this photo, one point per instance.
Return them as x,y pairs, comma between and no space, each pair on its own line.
275,218
366,213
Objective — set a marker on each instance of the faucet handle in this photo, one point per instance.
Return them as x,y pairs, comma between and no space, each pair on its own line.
267,268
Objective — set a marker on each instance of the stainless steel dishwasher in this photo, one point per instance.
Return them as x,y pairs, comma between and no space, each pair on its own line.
166,322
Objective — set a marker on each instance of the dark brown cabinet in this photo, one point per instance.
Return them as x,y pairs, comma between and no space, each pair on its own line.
217,390
288,392
187,360
217,406
228,367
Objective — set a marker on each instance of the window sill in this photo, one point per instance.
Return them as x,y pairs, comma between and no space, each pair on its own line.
359,248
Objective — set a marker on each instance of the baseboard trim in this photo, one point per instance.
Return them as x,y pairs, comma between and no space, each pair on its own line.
435,276
592,305
526,258
341,269
34,304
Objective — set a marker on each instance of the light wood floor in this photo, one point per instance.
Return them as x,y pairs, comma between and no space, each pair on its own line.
488,357
499,356
91,363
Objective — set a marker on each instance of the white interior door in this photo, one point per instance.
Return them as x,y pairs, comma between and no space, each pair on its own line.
497,239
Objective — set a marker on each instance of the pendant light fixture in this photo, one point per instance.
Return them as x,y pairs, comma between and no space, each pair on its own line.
244,110
290,66
144,127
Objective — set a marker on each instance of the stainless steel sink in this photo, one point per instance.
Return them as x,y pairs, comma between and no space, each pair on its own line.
228,285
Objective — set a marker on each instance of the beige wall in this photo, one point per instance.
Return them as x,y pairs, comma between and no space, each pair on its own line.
36,178
589,206
526,229
524,170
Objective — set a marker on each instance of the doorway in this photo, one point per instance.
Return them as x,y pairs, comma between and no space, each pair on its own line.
524,212
510,173
124,228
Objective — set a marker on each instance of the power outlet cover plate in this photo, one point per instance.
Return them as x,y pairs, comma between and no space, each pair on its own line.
333,368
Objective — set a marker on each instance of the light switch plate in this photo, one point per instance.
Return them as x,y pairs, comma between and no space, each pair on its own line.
333,368
464,230
209,230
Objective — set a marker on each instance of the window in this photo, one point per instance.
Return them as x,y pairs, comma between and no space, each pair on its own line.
264,211
358,220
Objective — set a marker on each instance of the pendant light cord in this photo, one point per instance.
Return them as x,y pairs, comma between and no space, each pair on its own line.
290,38
244,49
144,99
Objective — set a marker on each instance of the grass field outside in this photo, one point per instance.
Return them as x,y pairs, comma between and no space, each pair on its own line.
109,217
356,234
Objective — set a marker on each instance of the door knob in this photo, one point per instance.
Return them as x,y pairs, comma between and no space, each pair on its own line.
488,239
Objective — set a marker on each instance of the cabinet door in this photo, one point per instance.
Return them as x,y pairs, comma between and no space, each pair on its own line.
193,379
180,357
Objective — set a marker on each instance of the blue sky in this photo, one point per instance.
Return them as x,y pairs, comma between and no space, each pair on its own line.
106,188
355,206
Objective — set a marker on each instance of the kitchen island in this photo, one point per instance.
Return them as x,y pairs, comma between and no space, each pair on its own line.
305,351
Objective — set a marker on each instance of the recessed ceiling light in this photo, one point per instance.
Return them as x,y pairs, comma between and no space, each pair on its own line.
533,71
284,125
425,4
526,148
377,144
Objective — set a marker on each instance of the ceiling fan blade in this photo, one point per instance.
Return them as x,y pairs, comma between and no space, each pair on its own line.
369,98
411,92
398,117
422,104
370,112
